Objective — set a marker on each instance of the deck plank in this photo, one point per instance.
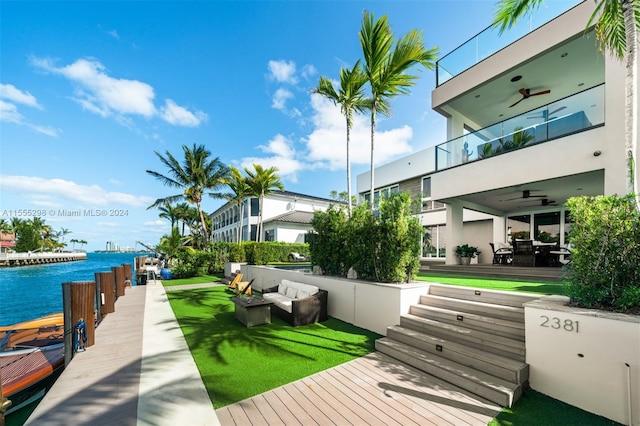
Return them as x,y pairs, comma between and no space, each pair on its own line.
372,390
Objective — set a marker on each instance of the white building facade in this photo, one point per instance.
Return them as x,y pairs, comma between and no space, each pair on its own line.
286,218
530,123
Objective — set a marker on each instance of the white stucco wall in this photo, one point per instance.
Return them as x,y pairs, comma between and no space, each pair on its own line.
580,356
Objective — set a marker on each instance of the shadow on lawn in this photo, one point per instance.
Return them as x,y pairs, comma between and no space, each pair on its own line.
208,321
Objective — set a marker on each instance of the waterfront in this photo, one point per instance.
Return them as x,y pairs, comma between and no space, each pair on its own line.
29,292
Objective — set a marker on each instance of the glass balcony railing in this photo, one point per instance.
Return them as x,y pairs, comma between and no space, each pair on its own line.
489,41
572,114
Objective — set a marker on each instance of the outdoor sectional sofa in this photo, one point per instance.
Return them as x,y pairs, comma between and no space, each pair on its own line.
297,303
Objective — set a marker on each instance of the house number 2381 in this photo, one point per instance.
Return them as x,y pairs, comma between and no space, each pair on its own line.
560,324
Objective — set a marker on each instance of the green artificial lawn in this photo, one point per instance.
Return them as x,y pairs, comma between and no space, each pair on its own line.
538,287
534,408
236,362
194,280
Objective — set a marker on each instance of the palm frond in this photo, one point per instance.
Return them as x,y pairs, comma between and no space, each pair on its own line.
509,11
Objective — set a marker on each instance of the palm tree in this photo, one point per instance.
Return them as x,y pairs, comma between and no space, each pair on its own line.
239,185
350,97
5,227
387,67
617,23
169,212
262,182
197,176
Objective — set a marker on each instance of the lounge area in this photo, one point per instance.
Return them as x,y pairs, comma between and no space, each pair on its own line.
531,253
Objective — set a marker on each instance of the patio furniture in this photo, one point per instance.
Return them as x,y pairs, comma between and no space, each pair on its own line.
297,303
232,280
501,256
244,287
252,311
562,255
297,257
523,253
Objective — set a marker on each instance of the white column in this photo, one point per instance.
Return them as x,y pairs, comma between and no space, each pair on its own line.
454,231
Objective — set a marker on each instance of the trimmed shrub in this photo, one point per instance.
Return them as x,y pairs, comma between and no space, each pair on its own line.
605,238
382,247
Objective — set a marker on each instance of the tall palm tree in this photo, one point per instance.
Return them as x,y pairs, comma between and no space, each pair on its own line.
387,67
617,23
262,182
240,189
196,176
350,97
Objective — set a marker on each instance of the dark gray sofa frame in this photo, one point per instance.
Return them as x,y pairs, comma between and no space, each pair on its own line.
303,311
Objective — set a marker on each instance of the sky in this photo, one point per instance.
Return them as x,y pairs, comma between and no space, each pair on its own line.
91,90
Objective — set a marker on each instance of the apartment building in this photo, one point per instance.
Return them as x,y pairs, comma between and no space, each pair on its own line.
286,218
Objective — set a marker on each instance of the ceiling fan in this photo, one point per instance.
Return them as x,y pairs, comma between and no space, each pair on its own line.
527,194
544,202
546,115
526,93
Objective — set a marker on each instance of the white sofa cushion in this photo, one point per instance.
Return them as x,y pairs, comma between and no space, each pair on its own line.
280,300
291,292
308,289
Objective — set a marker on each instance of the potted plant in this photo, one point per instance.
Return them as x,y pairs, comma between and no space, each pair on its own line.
465,252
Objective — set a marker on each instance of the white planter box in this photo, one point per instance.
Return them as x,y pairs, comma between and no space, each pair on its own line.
585,357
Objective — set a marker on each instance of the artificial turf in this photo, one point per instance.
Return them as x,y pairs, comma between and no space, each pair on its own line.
538,287
536,409
236,362
193,280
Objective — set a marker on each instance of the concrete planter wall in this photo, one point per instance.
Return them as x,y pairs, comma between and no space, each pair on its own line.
586,358
374,306
231,267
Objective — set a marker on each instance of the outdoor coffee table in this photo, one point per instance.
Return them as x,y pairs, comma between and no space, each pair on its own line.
252,310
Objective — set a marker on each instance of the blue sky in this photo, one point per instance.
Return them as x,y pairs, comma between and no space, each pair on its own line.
89,90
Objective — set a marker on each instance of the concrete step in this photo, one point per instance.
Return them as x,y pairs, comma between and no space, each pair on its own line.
500,327
503,346
505,368
509,313
482,384
506,298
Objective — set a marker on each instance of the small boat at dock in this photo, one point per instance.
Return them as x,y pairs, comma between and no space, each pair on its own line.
31,359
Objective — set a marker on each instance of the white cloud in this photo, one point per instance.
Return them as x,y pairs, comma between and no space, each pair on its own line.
114,34
180,116
10,92
108,96
280,99
9,113
308,71
48,190
283,71
327,142
282,156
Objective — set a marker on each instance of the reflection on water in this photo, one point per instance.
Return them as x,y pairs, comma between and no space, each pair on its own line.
29,292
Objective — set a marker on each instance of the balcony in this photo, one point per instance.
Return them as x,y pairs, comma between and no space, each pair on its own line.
488,42
573,114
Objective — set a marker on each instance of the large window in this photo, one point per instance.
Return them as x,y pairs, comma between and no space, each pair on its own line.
433,242
255,207
546,227
427,202
519,227
383,192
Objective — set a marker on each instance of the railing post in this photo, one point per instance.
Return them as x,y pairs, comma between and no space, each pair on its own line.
78,303
118,272
107,292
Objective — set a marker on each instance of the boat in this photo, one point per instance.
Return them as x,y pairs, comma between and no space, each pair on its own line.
31,359
28,373
45,331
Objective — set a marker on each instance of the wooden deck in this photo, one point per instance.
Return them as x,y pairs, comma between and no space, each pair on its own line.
372,390
538,273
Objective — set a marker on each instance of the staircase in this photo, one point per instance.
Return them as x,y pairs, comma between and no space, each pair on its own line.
472,338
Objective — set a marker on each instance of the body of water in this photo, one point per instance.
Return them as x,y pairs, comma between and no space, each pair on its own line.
28,292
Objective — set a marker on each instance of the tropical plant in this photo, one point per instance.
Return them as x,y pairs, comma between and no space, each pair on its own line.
5,227
241,189
350,97
617,24
197,176
465,250
604,272
169,212
262,182
174,243
387,68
